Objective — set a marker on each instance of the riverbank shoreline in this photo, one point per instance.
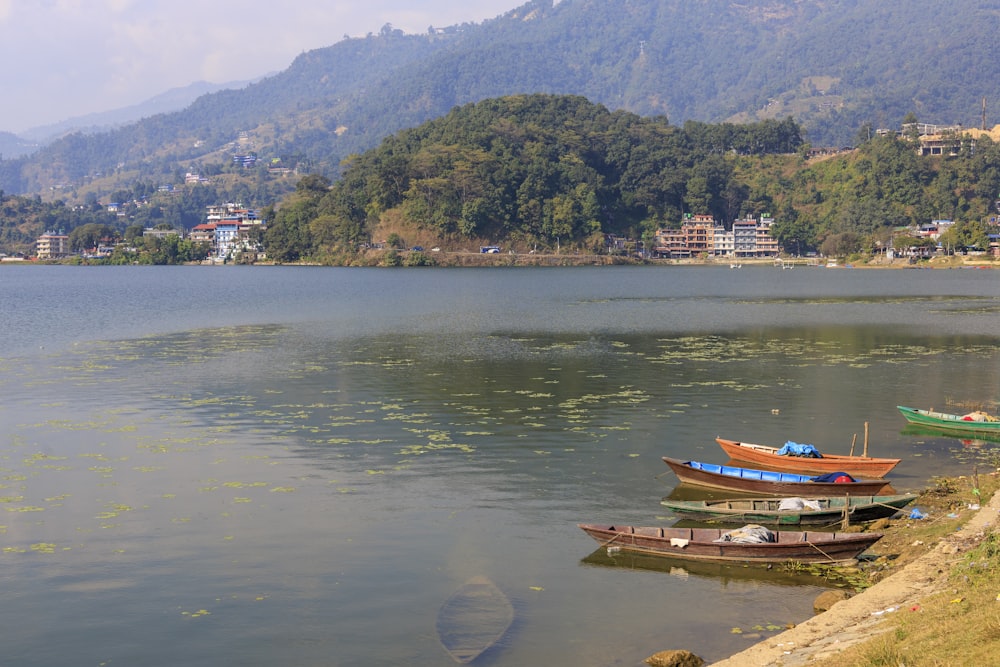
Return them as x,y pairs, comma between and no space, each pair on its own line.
457,259
862,617
468,259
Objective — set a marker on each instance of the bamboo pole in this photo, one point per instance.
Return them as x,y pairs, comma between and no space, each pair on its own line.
866,440
853,440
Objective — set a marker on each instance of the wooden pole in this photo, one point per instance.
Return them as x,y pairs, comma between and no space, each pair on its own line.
866,440
846,521
853,440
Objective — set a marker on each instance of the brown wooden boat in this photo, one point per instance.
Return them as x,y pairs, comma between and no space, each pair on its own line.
711,543
763,455
767,482
473,619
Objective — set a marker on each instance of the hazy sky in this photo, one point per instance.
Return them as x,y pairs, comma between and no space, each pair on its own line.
66,58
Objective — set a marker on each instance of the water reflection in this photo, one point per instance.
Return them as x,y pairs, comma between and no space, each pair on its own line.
975,440
722,574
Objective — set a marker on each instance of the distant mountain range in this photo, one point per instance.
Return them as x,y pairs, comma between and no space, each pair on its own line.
17,145
174,99
834,65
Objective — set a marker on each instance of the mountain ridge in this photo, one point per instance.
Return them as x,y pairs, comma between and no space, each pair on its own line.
835,65
174,99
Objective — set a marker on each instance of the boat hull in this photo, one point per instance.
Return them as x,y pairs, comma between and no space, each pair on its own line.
948,422
473,619
763,455
765,510
764,482
699,544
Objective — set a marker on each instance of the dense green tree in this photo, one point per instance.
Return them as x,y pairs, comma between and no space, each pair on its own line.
132,233
546,169
288,237
796,234
841,244
91,235
967,235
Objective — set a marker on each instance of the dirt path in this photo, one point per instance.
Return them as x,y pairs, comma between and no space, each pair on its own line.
860,618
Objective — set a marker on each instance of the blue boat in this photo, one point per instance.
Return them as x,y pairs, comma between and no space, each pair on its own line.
768,482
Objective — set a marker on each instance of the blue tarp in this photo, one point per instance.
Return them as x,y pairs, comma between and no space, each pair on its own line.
834,477
795,449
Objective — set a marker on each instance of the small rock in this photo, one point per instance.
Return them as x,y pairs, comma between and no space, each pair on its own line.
827,599
674,659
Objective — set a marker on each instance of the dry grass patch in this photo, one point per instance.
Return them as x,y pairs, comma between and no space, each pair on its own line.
960,625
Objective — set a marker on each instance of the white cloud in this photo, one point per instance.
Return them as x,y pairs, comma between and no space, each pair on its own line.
63,58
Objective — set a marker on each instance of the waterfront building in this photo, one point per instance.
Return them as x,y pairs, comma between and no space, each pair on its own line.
52,245
233,228
701,235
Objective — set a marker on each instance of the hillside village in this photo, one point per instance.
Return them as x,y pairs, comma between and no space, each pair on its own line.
232,232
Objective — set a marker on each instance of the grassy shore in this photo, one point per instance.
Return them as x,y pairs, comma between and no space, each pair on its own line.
958,624
931,597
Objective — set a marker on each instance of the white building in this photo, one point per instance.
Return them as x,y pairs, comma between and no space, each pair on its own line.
51,245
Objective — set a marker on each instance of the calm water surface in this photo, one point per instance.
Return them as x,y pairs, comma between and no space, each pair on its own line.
297,466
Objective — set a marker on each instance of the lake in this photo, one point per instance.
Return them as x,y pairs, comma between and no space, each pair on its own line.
299,465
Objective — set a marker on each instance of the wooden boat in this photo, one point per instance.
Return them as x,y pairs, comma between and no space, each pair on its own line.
973,422
473,619
705,544
769,510
768,457
767,482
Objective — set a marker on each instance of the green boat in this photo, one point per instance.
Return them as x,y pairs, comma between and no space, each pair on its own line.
791,511
973,422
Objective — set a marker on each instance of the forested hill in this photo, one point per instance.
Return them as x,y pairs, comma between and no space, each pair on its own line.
533,169
550,171
833,65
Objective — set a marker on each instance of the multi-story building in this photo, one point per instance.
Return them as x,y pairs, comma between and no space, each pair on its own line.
724,242
943,139
227,236
699,232
767,245
744,238
203,233
670,243
52,245
701,235
229,226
